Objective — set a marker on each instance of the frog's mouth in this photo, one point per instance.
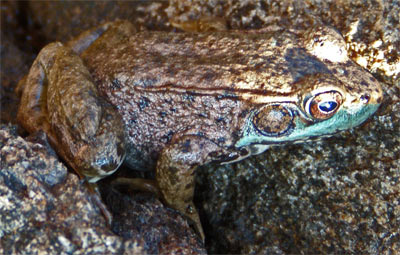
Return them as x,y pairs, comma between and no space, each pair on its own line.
345,118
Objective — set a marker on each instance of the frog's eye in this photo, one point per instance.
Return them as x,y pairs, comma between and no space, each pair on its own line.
273,120
322,106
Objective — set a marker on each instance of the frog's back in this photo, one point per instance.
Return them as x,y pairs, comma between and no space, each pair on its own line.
219,61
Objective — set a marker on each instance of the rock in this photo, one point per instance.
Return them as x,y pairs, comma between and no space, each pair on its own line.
44,208
163,230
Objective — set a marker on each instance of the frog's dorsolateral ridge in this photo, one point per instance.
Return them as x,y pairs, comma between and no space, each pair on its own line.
174,101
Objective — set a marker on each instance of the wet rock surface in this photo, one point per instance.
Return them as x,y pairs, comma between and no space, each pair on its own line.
338,195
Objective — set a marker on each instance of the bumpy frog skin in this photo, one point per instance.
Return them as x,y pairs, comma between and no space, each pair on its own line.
174,101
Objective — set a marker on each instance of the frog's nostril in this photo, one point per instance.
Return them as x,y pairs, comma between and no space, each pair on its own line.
379,100
365,98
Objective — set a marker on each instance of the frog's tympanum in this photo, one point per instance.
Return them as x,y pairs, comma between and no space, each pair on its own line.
174,101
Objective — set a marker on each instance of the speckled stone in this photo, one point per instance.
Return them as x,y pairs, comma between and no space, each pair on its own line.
164,230
339,195
62,20
43,208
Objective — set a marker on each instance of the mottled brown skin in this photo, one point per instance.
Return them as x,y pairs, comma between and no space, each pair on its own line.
80,113
174,101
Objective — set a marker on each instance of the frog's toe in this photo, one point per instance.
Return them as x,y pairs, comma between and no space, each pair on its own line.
193,216
99,166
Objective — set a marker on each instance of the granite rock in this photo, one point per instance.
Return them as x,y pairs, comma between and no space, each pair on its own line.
43,208
46,209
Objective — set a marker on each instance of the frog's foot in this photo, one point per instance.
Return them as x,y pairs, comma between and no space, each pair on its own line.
137,184
85,39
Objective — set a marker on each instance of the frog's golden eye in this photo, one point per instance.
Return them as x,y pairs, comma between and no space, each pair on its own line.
273,120
322,106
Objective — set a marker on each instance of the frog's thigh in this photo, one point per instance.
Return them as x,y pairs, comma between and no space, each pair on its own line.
33,110
85,130
30,112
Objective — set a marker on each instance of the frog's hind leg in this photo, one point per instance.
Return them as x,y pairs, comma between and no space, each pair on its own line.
32,112
60,98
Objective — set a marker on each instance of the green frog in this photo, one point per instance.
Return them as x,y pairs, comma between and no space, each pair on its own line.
170,102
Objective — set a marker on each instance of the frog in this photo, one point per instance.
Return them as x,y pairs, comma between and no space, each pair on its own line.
170,102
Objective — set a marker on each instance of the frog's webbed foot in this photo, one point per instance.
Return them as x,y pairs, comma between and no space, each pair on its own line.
60,98
175,174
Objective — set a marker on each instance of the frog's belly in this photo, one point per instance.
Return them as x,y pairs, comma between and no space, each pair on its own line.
152,120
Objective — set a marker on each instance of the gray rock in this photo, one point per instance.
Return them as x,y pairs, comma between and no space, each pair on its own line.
44,208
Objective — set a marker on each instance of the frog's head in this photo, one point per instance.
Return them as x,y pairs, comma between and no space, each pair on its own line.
328,93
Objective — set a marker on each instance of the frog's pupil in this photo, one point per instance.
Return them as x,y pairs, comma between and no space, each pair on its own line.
328,106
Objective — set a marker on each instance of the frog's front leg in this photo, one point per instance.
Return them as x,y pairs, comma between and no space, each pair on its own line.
175,173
